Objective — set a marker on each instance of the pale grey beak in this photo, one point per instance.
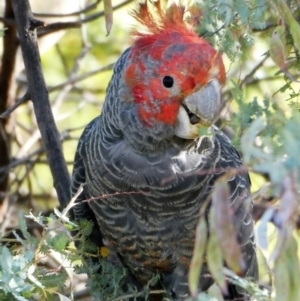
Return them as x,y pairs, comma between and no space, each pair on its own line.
205,104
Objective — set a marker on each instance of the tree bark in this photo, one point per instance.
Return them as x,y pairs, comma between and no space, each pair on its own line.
10,46
26,26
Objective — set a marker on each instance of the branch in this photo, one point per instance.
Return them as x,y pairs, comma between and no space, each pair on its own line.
79,78
53,27
21,100
39,95
76,13
7,67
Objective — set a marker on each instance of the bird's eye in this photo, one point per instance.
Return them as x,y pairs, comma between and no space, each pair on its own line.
168,81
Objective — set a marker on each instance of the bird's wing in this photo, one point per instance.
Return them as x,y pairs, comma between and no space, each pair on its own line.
241,203
82,210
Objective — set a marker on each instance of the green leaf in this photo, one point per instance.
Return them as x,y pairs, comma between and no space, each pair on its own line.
60,241
53,280
243,10
6,260
23,227
32,278
19,297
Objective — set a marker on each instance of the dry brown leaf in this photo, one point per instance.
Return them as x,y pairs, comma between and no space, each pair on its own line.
224,226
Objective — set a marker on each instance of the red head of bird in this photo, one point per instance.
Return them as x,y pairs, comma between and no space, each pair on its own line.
173,77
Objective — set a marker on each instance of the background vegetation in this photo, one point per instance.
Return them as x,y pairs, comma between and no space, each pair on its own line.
260,42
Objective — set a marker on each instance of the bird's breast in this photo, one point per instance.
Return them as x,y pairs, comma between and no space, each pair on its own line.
147,207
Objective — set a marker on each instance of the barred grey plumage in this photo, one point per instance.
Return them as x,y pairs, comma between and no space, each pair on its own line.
153,230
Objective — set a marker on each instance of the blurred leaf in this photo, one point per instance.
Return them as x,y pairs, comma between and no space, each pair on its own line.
198,255
108,14
252,288
222,224
215,260
278,50
285,217
216,292
247,141
53,280
293,267
6,259
63,298
203,297
32,278
287,274
290,20
28,254
60,241
19,297
23,228
261,230
287,213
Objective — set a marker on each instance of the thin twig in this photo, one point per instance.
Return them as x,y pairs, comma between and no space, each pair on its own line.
253,71
76,13
28,159
76,79
66,89
76,24
20,161
81,77
21,100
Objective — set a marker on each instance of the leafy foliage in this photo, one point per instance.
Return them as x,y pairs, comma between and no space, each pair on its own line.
266,122
23,276
267,133
228,24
